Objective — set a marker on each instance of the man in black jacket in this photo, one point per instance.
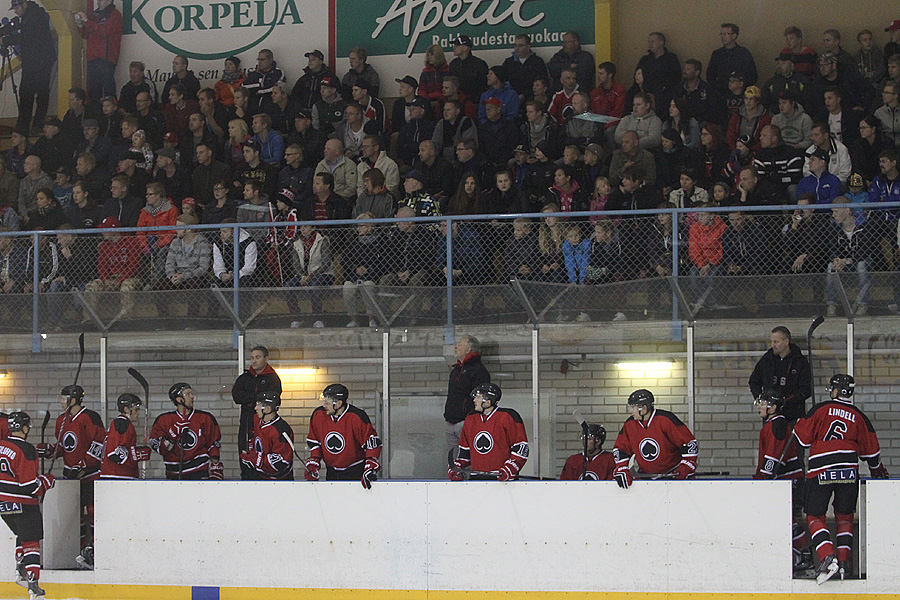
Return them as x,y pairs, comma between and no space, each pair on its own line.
37,53
783,368
260,377
467,374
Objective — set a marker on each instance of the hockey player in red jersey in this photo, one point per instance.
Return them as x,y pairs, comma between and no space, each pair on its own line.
778,460
493,440
342,436
592,464
271,453
838,435
122,454
660,443
20,489
188,439
80,434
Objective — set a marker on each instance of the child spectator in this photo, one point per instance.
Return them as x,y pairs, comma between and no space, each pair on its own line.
312,267
705,252
118,268
362,261
602,189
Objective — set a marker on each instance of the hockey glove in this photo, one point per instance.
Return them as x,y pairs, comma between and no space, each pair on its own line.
217,471
370,473
684,469
44,450
879,472
45,482
623,477
454,475
141,453
119,455
507,473
312,470
185,440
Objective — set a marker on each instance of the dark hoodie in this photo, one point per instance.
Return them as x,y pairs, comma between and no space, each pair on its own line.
790,375
466,375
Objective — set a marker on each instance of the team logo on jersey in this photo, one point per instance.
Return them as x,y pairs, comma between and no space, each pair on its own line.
483,442
649,449
334,442
589,476
257,445
69,441
191,439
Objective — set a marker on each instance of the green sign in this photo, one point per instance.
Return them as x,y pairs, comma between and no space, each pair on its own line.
391,27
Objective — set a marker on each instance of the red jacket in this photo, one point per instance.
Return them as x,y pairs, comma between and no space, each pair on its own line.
167,215
705,243
609,102
120,258
103,39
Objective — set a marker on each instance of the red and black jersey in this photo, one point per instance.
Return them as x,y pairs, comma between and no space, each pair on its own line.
189,440
489,443
342,441
838,435
4,425
773,437
121,452
271,454
599,468
658,444
81,437
19,472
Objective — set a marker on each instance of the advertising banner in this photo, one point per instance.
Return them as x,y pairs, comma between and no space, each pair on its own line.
396,33
207,32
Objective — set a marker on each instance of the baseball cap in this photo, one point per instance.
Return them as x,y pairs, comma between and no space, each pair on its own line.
594,148
736,75
415,174
167,152
818,153
361,83
827,57
252,144
752,92
409,80
316,53
52,121
462,40
286,195
171,137
189,201
63,170
109,223
856,180
521,148
419,101
303,113
493,101
329,81
894,26
16,3
90,123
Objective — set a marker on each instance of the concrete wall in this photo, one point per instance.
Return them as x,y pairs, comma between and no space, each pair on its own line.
725,423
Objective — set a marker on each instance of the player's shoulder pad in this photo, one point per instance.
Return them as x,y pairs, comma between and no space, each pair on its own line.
121,425
779,427
670,416
161,415
359,413
282,426
516,417
94,417
211,416
815,408
865,417
28,450
318,409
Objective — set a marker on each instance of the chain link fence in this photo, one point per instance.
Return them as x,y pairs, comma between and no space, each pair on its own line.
555,267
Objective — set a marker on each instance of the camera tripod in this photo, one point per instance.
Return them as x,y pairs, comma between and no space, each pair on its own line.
6,68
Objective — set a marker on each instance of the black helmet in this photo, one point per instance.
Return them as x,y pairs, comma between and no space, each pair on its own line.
490,391
269,397
641,396
336,391
596,431
18,420
177,391
127,400
843,383
773,397
74,392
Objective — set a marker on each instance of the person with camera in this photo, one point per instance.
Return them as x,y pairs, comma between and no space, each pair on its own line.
101,27
37,51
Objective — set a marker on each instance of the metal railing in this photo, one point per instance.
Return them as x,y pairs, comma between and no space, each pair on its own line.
535,268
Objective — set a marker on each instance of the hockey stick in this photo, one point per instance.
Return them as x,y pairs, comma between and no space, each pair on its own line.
584,429
43,431
143,383
648,477
809,350
81,359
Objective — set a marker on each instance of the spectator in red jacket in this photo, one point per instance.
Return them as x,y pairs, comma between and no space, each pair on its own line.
118,267
608,98
101,27
705,252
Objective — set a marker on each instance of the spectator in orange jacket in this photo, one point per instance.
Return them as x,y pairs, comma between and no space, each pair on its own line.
705,252
232,79
101,27
158,211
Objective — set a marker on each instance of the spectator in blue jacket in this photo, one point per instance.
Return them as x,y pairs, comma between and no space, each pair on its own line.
820,182
576,254
499,87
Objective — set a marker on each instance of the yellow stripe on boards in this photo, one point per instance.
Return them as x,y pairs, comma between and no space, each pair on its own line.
96,591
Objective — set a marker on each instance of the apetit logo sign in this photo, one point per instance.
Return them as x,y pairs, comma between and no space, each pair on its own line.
211,30
407,27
